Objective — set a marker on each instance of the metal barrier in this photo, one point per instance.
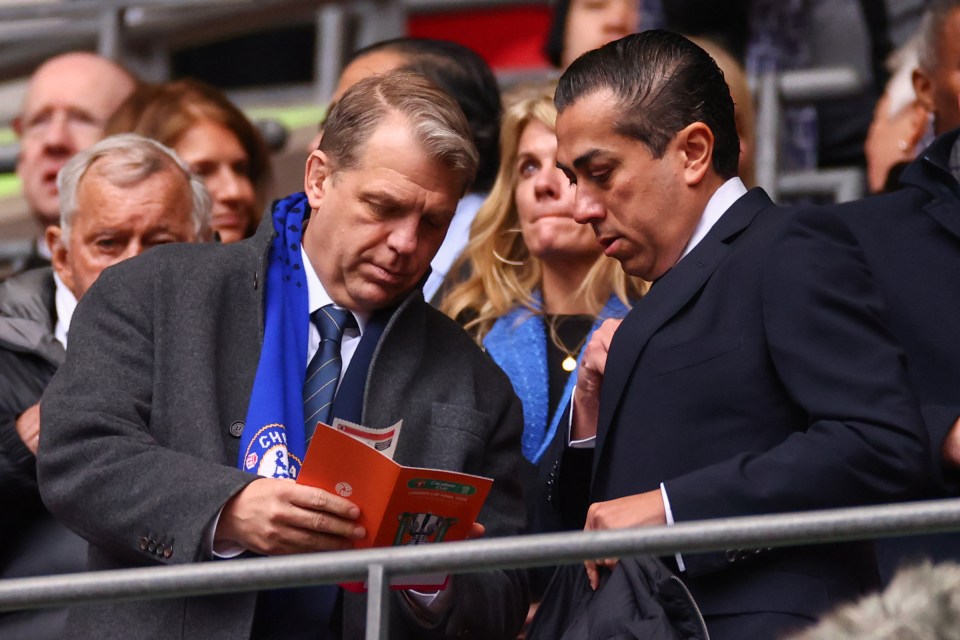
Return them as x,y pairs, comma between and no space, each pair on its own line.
777,91
378,565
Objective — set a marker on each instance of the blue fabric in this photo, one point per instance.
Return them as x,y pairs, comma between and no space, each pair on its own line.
518,343
272,443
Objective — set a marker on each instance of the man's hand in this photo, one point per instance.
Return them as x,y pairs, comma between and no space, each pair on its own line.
477,531
28,428
586,398
951,446
271,517
640,510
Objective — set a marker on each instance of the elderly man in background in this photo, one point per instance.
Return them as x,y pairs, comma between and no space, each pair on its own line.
68,101
119,198
181,400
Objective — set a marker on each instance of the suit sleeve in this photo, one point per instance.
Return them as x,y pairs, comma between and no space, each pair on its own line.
101,470
865,441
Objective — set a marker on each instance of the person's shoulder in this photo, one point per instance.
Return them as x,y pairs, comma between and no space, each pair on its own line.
30,283
28,294
182,260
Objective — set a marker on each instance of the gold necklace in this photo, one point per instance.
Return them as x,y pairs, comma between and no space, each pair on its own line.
569,363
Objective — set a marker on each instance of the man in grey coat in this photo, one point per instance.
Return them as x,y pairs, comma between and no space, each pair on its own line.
149,443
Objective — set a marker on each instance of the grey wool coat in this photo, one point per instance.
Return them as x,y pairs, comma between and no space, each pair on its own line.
137,454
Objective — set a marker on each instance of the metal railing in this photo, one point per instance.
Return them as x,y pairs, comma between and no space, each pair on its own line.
774,93
377,566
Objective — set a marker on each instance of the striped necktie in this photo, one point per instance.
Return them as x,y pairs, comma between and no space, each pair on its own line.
323,372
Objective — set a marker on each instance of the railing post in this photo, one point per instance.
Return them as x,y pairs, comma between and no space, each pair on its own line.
768,133
331,27
378,602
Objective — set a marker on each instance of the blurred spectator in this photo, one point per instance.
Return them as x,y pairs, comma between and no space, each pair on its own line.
725,23
581,25
464,75
937,77
67,103
539,284
119,198
910,243
921,603
216,141
899,124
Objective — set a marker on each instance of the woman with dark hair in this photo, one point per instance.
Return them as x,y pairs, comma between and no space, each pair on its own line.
214,138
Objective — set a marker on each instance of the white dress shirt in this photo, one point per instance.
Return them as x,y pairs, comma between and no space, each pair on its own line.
65,303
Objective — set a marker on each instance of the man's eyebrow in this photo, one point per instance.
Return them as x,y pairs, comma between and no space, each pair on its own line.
587,157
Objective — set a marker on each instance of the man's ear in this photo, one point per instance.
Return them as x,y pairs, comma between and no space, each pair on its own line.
315,184
923,87
59,254
17,125
695,143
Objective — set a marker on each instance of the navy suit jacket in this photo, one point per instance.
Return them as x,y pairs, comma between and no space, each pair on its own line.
757,376
911,243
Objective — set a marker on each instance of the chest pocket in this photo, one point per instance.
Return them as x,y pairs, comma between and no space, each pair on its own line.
456,439
692,352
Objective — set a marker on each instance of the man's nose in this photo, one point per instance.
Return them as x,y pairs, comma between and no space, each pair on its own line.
404,235
587,208
58,133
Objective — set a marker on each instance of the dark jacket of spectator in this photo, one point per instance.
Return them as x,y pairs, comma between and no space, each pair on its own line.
32,542
910,240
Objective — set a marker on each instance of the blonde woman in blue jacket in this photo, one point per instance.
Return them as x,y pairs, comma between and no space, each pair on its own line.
539,283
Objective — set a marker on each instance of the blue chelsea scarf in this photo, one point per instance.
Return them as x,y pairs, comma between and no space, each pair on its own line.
272,444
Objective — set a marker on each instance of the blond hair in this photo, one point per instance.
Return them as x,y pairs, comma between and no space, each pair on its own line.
494,286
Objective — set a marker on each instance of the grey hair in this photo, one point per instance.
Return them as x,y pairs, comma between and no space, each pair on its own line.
930,32
435,120
921,603
128,159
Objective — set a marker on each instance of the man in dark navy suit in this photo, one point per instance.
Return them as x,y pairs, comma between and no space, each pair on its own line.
910,240
757,376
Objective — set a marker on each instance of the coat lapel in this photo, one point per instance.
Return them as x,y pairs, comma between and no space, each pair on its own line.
946,213
670,293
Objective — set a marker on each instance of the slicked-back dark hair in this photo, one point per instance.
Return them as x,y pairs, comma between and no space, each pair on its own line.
463,73
662,83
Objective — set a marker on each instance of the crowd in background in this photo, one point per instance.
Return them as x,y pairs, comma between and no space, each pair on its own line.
112,167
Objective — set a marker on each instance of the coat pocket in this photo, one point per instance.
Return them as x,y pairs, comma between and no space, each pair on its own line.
692,352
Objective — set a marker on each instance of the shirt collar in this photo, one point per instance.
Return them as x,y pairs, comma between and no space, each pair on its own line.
66,303
721,200
318,297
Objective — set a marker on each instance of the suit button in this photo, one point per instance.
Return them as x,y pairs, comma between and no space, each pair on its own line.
167,552
731,555
236,429
152,546
144,543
